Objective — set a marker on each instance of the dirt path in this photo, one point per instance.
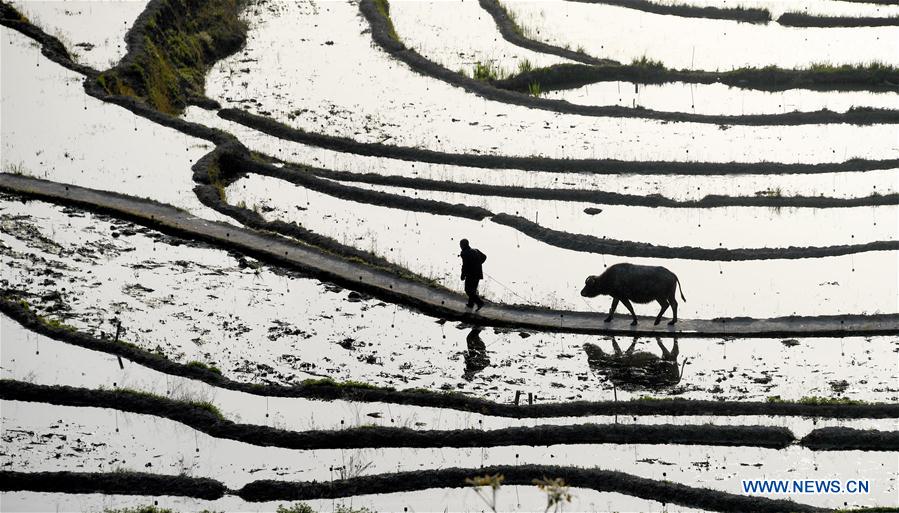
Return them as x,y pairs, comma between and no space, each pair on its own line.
433,301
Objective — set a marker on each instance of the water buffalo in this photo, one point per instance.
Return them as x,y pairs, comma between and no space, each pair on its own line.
635,370
637,283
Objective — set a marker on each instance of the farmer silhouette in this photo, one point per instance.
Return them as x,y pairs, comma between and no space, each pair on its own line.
472,273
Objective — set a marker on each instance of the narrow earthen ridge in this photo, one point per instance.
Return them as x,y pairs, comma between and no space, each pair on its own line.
743,14
133,483
112,483
592,244
238,165
565,76
205,421
434,301
509,92
329,390
597,196
595,479
550,165
800,19
849,439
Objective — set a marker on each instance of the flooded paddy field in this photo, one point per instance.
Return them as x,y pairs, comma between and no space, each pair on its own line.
153,357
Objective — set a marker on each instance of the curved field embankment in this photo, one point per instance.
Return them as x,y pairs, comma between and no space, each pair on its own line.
549,165
231,166
748,14
208,421
842,438
799,19
744,14
596,196
596,479
112,483
875,78
511,91
134,483
593,244
329,390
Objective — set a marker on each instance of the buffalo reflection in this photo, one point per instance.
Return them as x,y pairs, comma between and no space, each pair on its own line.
636,370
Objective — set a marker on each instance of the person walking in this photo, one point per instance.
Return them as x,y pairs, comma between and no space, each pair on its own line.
472,272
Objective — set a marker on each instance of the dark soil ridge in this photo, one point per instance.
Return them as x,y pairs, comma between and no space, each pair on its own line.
771,78
316,182
592,244
799,19
383,437
748,15
325,390
118,483
550,165
596,479
133,483
744,14
239,165
510,91
430,300
565,240
847,439
600,197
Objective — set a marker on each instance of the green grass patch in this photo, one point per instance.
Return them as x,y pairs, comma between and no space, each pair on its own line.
383,7
817,400
328,382
205,366
203,405
177,45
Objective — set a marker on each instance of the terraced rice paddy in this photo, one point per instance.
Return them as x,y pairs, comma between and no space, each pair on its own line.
229,234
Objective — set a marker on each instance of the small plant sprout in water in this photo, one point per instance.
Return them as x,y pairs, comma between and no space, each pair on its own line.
557,493
481,482
534,89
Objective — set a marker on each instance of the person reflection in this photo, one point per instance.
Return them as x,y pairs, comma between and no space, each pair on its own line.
475,356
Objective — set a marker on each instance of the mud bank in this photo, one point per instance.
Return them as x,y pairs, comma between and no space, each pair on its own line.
600,197
513,91
206,421
413,293
328,390
749,15
592,244
798,19
171,47
843,438
124,483
591,166
312,179
236,166
127,483
600,480
846,78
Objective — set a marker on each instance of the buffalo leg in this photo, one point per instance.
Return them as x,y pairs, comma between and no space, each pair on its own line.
664,305
630,309
673,309
612,310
